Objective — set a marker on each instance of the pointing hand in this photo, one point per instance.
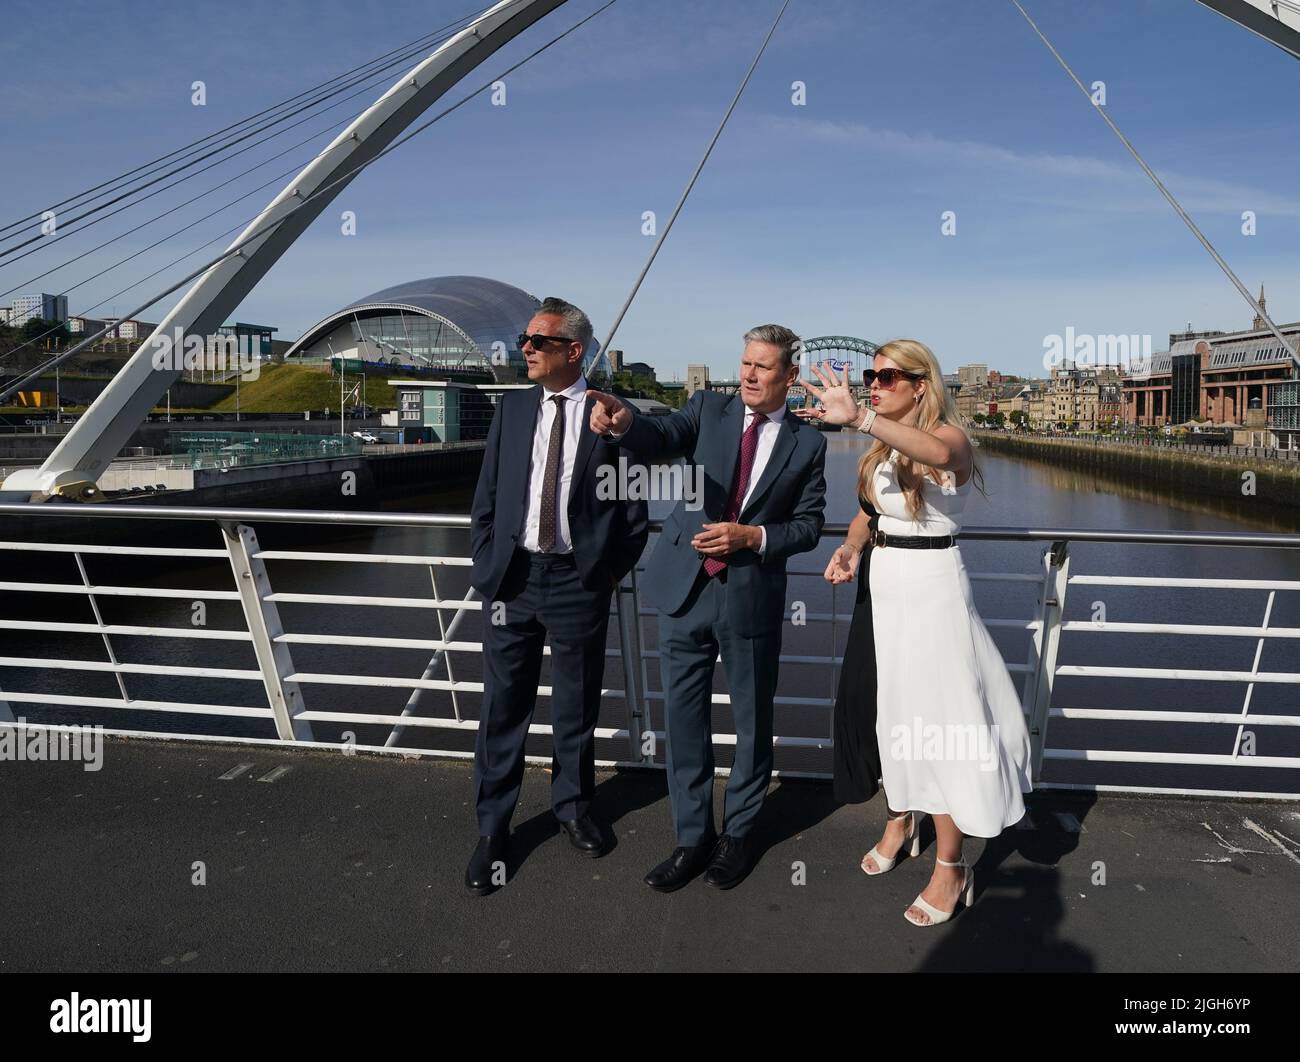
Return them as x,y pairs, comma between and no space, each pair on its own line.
609,414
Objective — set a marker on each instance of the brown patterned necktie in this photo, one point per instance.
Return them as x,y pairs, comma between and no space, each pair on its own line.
550,481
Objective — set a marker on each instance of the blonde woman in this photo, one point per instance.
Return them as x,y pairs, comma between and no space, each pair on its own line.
952,738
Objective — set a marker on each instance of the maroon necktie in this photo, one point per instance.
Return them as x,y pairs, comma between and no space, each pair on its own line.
748,448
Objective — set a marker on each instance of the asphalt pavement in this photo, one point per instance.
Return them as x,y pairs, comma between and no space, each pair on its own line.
312,860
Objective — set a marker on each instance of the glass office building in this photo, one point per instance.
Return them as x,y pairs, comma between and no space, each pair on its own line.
1284,408
1184,387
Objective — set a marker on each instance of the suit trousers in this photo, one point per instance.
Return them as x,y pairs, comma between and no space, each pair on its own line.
541,599
689,645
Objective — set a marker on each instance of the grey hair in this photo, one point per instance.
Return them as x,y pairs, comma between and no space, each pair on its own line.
779,336
576,323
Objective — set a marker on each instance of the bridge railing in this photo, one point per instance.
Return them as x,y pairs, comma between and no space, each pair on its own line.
283,699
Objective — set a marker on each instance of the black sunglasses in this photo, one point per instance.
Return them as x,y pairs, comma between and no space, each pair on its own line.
538,340
889,377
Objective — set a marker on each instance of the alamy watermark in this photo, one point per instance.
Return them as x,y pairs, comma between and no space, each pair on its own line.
947,742
181,352
77,1015
636,482
72,744
1086,350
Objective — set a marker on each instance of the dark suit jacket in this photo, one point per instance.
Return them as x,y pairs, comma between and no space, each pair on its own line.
608,535
788,500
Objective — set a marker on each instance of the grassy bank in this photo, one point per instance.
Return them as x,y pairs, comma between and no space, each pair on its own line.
295,388
277,389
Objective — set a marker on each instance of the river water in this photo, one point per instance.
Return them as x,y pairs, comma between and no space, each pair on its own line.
1018,494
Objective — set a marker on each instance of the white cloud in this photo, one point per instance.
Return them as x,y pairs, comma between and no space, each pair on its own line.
1195,191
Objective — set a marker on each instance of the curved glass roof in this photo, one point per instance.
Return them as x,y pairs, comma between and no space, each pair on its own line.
482,310
486,310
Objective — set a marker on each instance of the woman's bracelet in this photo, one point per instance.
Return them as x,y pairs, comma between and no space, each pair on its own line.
865,426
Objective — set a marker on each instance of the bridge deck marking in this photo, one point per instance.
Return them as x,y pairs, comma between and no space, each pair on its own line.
275,774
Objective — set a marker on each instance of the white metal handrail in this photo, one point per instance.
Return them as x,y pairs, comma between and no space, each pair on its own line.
286,704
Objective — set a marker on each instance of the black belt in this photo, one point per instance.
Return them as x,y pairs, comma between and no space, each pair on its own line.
549,560
883,539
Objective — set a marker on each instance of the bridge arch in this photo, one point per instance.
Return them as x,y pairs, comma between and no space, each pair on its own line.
842,352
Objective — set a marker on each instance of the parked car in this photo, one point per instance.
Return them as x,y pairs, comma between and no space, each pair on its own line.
366,436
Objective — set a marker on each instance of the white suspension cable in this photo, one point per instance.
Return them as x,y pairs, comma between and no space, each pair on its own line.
41,243
1218,258
310,199
603,355
313,95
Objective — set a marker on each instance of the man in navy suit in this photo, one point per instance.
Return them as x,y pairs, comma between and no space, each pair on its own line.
548,549
718,579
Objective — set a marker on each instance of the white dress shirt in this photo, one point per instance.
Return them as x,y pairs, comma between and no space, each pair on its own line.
767,435
574,407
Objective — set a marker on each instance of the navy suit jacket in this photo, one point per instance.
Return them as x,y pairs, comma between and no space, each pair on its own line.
788,500
608,535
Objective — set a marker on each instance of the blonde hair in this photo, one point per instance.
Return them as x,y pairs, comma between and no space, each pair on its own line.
936,407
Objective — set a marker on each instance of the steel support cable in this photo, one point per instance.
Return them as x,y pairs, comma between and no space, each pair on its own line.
157,243
56,359
429,38
48,241
183,229
193,199
233,126
180,206
257,234
1218,258
44,241
654,251
172,235
240,226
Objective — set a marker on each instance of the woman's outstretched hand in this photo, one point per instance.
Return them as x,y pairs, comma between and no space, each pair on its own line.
843,566
838,406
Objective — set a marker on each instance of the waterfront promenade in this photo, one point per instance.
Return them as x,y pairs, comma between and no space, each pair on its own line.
1260,477
1159,442
321,861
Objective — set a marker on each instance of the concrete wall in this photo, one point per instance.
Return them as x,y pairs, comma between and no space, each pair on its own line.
25,449
74,392
29,447
1275,482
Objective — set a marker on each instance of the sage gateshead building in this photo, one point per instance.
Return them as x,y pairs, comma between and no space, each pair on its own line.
456,327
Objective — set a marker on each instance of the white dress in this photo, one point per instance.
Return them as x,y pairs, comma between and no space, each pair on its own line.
949,722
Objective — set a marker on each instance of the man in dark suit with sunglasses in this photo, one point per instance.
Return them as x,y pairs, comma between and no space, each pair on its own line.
549,549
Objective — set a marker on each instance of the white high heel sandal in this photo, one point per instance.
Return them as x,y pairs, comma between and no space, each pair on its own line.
911,842
967,896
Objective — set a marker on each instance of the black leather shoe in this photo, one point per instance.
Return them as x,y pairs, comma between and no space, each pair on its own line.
585,836
488,858
680,868
730,863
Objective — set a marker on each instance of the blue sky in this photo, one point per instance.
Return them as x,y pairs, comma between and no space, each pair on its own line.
825,217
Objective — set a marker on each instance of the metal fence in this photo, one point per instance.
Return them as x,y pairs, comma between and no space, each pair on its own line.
288,706
236,449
